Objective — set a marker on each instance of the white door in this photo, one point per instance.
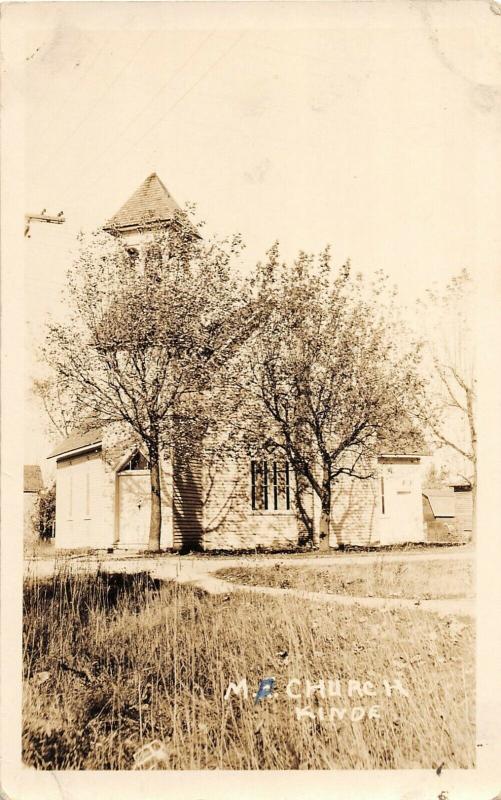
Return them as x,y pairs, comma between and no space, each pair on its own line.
134,508
401,507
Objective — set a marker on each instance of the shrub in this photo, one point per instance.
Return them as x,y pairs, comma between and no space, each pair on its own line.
44,514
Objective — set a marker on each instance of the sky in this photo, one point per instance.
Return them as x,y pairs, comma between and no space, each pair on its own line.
361,125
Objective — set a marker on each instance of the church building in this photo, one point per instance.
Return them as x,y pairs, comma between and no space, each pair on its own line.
103,495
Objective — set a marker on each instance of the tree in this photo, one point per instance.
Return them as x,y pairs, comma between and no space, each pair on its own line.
44,512
60,414
437,478
449,412
327,379
146,339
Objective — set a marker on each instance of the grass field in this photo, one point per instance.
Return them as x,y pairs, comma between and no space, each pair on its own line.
420,580
112,663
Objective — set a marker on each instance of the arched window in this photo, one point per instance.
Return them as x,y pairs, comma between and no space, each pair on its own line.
133,254
136,462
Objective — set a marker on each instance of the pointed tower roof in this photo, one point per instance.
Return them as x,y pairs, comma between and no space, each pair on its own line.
151,203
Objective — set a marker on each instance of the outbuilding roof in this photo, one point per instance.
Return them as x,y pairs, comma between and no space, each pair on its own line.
33,481
441,502
459,481
78,441
150,203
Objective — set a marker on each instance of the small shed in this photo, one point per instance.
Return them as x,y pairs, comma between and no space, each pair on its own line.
440,503
439,513
463,505
33,484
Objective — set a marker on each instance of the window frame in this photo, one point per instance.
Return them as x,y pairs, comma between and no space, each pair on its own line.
270,490
126,468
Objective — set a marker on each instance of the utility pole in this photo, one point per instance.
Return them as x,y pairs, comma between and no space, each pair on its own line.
43,217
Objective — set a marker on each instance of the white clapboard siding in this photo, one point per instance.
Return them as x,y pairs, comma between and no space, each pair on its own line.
79,500
463,507
188,503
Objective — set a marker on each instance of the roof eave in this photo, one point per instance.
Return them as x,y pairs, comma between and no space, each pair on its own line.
76,451
117,230
133,226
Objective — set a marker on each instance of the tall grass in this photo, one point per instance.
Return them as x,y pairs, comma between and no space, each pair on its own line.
112,662
412,579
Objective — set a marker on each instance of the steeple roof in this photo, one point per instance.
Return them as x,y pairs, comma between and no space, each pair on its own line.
151,203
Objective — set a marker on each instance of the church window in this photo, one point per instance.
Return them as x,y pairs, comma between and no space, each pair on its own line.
136,462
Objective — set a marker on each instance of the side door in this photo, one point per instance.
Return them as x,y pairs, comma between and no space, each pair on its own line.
134,508
400,506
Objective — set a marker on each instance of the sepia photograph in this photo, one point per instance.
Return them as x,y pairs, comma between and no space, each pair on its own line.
251,270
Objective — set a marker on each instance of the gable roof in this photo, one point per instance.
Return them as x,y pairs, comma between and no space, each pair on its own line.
78,441
149,204
33,481
441,502
460,482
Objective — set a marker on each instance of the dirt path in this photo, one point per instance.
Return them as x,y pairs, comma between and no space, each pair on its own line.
444,607
199,572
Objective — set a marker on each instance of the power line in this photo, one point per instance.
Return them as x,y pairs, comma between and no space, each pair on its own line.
171,108
91,109
146,106
55,113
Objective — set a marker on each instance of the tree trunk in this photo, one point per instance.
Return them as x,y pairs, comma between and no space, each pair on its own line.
325,515
473,437
474,504
156,504
308,521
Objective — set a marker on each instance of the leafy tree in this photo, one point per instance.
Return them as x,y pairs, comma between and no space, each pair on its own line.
449,412
44,512
146,339
329,378
437,478
58,410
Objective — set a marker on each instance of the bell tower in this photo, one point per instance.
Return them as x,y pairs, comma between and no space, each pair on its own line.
149,210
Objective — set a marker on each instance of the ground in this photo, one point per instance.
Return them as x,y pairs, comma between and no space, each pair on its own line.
115,661
412,580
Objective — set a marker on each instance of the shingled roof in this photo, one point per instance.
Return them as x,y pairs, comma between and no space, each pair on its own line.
33,481
78,441
441,501
150,204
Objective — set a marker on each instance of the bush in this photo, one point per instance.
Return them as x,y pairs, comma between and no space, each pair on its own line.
44,514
